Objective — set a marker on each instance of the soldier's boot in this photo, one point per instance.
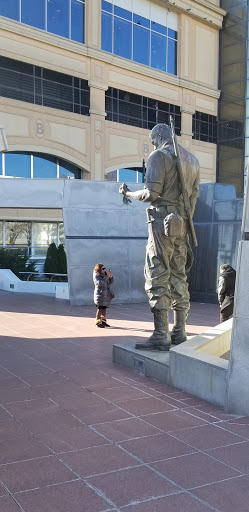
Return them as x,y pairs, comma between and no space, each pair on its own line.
178,333
160,339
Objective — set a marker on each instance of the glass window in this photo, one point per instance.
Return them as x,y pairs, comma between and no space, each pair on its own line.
61,233
132,109
10,9
1,164
1,232
106,6
14,83
158,28
33,13
111,176
58,17
127,175
58,95
44,233
158,51
42,86
67,170
172,57
18,165
172,33
122,38
77,21
150,39
106,32
205,128
139,20
18,233
122,13
141,45
140,177
44,166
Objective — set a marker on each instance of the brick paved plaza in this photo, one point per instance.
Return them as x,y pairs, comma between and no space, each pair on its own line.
80,434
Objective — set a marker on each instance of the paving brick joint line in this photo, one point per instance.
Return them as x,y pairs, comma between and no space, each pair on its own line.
82,434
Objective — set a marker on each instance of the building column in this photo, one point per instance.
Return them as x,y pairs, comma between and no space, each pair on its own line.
186,127
97,136
93,23
238,371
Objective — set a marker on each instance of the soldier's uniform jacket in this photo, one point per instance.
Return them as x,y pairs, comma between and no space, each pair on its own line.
168,258
162,179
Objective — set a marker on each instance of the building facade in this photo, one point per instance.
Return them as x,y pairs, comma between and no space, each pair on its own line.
82,83
233,129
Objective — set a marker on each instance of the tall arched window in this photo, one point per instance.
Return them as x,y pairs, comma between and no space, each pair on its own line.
36,165
128,175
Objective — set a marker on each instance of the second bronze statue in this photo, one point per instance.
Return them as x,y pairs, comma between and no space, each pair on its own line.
168,251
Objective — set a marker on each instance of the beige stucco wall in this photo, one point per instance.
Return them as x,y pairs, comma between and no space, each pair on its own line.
92,143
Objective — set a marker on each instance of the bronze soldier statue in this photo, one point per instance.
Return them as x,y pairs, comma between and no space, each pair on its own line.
168,251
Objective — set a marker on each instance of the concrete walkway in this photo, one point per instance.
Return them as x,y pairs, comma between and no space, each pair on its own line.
79,434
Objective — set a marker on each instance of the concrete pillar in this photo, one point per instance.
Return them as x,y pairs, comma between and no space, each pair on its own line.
97,117
93,23
237,400
186,127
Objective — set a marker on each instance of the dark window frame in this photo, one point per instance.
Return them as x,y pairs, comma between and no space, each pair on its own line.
135,110
204,127
47,92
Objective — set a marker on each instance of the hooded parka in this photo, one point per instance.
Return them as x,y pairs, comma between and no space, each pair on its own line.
102,289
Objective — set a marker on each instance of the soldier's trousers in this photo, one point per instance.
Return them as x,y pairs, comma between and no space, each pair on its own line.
165,269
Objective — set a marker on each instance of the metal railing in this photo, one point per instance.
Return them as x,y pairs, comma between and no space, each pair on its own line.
34,251
37,274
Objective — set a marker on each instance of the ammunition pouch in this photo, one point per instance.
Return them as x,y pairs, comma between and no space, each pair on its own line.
174,225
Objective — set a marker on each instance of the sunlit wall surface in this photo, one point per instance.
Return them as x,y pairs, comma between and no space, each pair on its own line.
232,105
65,18
146,34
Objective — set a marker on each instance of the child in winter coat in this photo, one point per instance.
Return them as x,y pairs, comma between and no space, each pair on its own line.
102,293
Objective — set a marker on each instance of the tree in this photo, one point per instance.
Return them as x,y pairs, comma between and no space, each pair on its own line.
56,261
61,260
50,265
9,258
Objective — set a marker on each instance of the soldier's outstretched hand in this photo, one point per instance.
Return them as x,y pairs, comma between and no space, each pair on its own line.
123,189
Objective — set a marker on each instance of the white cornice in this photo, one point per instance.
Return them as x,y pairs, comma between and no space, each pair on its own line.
201,9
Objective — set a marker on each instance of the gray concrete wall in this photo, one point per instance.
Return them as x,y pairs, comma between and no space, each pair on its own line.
217,220
99,227
237,401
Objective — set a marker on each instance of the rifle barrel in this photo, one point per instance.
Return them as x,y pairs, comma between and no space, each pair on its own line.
182,184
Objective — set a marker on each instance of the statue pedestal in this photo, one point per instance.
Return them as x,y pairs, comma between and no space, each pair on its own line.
237,401
197,366
145,362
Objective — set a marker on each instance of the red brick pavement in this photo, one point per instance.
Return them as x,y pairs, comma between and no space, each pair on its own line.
80,434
